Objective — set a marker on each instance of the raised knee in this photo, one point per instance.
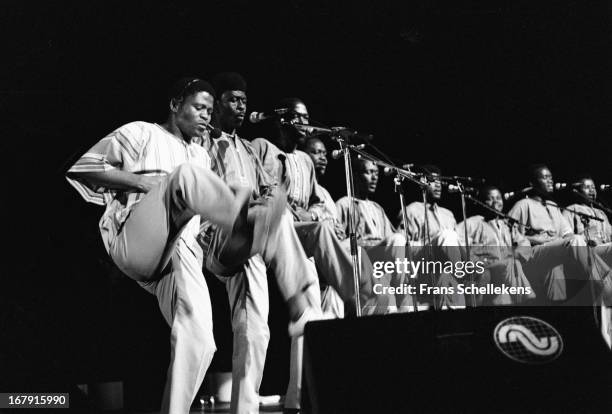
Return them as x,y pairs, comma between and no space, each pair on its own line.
186,168
184,172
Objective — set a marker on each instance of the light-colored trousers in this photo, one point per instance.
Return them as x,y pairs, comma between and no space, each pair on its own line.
335,267
444,246
605,252
249,303
163,226
548,265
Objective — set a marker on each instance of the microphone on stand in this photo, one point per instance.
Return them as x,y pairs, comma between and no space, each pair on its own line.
336,154
605,187
256,117
346,133
452,188
214,133
462,178
513,194
390,171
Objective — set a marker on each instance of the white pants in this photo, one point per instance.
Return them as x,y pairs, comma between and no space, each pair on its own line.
249,303
160,230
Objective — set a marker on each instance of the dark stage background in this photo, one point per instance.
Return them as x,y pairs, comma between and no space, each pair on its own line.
481,88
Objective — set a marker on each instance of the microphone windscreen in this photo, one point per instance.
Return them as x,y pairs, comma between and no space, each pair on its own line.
215,133
254,117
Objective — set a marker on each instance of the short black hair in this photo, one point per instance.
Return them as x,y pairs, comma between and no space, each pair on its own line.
583,176
187,86
312,138
289,103
533,170
229,81
485,189
360,162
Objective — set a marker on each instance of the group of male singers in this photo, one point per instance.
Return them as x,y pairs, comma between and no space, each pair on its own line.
181,198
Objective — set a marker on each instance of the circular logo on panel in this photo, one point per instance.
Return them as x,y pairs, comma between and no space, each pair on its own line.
528,340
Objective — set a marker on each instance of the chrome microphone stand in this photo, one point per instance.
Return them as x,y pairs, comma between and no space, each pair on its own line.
341,135
350,191
401,174
465,235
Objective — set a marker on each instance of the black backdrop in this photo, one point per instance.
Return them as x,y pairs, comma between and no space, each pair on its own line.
481,88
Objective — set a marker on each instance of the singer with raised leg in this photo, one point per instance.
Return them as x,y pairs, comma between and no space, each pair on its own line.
156,184
234,160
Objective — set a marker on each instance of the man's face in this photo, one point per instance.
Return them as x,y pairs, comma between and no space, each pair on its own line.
587,188
494,199
193,114
232,109
368,176
544,183
298,115
318,154
435,187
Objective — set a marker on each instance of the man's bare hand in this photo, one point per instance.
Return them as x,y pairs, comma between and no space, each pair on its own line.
339,229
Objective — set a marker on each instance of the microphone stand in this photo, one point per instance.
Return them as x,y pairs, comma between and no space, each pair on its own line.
342,136
462,192
350,191
402,174
511,221
578,213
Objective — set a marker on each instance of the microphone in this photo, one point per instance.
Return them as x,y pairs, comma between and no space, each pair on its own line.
336,154
391,171
452,188
474,180
560,186
256,117
213,132
345,133
605,187
513,194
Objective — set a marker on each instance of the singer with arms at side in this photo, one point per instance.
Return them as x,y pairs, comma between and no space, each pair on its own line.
436,233
374,230
599,232
325,209
559,263
492,241
234,160
156,185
